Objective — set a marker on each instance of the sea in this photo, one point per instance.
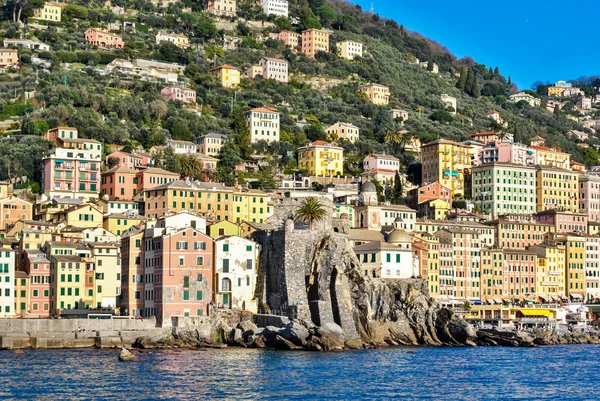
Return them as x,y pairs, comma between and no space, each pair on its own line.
569,372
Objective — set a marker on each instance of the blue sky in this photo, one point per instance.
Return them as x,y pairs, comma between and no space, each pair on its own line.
530,40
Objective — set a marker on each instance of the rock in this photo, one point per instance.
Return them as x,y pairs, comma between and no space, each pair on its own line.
461,331
285,345
247,325
354,343
125,355
296,333
237,335
258,342
269,334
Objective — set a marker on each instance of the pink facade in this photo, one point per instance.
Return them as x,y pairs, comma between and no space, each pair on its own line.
291,39
519,273
506,152
126,159
485,137
429,192
183,280
153,177
64,175
13,209
184,95
589,196
98,37
563,222
120,183
274,68
37,266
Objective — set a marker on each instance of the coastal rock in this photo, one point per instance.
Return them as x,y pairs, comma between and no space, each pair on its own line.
296,333
246,326
125,355
282,344
354,343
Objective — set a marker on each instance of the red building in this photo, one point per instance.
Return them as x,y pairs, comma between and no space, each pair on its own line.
37,266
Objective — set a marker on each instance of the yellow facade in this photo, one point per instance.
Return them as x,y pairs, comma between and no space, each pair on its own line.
556,189
320,158
313,41
107,275
491,273
433,265
224,227
118,223
86,216
552,157
550,270
377,94
69,282
21,293
227,75
555,91
349,49
251,206
574,262
445,161
49,12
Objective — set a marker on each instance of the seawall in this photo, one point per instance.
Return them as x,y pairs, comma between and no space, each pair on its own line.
74,333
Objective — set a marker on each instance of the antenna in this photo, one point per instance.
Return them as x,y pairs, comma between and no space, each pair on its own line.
372,9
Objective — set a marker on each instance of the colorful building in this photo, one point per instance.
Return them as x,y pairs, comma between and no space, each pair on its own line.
592,268
129,160
589,195
389,260
227,75
236,264
184,95
37,266
314,41
502,188
556,189
7,282
376,94
120,183
175,38
50,11
429,192
550,271
132,272
575,260
263,124
291,39
224,228
446,162
519,232
551,157
349,49
341,130
211,144
321,159
563,222
251,205
101,38
119,223
222,8
13,209
8,57
21,294
106,274
274,68
68,266
153,177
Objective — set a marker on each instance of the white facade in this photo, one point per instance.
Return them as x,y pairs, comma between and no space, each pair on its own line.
182,220
379,161
7,282
98,234
592,267
182,147
26,43
274,68
450,101
236,261
349,49
263,125
275,7
387,261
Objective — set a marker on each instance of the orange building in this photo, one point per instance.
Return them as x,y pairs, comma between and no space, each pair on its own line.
13,209
120,183
314,41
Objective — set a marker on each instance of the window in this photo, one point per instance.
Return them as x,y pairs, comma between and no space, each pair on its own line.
199,278
200,260
249,264
99,289
249,248
181,261
186,295
186,281
198,295
225,247
225,265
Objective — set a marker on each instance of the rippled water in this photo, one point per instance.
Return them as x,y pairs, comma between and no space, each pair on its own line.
552,373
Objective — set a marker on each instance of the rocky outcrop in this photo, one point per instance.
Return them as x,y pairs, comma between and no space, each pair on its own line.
126,356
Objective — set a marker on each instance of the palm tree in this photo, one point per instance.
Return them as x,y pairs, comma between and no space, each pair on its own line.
310,210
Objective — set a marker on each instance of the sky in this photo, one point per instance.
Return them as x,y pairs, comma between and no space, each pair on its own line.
528,40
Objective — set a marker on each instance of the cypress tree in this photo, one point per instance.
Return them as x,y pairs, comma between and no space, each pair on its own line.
430,65
462,80
496,71
509,81
469,83
398,196
490,71
476,90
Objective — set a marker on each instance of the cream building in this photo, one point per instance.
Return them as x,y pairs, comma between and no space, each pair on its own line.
263,124
345,131
175,38
314,41
51,11
349,49
377,94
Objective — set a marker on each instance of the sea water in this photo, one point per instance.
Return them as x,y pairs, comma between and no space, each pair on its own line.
567,372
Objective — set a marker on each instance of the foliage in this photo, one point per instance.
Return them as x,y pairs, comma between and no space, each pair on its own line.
310,210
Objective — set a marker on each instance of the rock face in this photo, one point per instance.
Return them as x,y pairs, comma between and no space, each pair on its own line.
313,277
126,356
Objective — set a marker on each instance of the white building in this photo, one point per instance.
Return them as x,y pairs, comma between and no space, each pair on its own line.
275,7
263,124
592,267
175,38
522,96
274,68
27,44
381,161
345,131
393,259
182,147
584,102
7,282
236,261
450,102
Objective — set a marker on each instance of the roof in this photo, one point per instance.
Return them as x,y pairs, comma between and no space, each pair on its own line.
383,156
214,135
364,234
345,125
320,143
67,258
547,149
227,66
379,246
61,244
278,60
156,170
492,112
120,169
443,142
192,185
263,110
21,274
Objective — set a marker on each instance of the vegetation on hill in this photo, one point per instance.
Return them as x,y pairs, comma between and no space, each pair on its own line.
77,91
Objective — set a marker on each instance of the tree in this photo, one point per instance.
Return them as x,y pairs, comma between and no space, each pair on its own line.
266,179
462,80
469,82
170,160
496,71
242,137
310,210
190,166
398,194
430,65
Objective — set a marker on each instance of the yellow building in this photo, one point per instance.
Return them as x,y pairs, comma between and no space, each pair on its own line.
349,49
556,188
446,161
107,274
49,12
491,273
251,205
551,157
575,249
314,41
21,294
177,39
84,216
118,223
320,158
210,200
227,75
550,271
555,91
224,227
377,94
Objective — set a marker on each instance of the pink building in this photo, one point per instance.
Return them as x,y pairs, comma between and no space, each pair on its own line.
153,177
125,159
589,196
37,266
181,266
563,222
506,152
274,68
291,39
428,192
485,137
120,183
98,37
519,273
13,209
183,95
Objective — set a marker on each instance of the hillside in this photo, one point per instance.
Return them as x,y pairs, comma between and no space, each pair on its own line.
77,91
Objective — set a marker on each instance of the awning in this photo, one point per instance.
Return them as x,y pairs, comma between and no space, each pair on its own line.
58,161
536,313
564,298
498,300
530,152
578,296
455,173
555,298
447,172
491,301
544,298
